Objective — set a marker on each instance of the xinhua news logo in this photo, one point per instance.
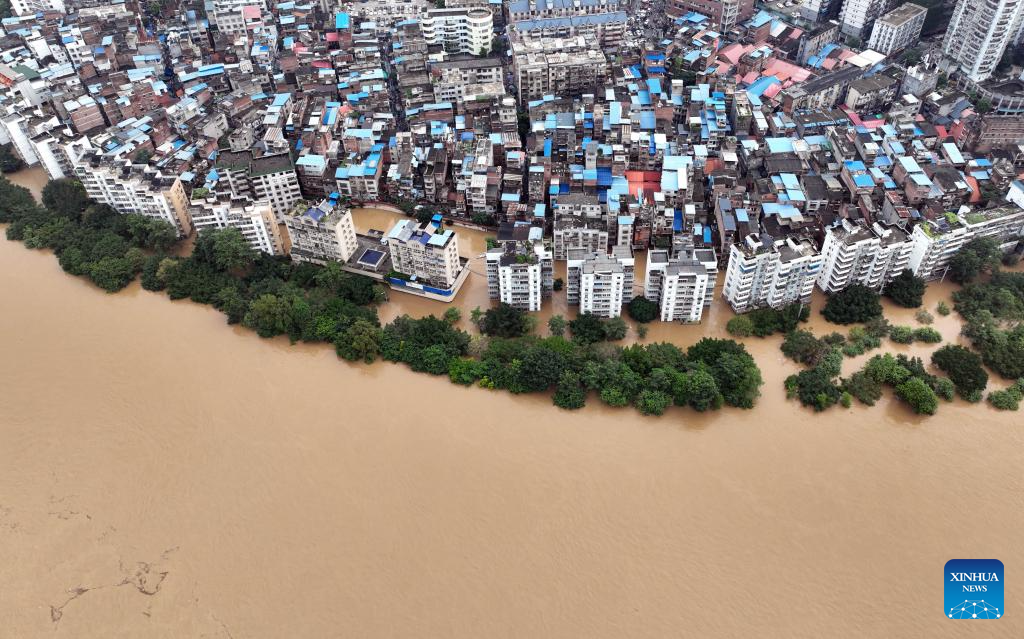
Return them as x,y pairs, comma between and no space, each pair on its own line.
974,589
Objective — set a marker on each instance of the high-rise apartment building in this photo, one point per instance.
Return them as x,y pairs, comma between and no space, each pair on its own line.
254,220
898,29
764,271
598,282
460,30
979,33
857,16
935,242
855,253
580,222
271,178
520,271
138,189
32,7
321,233
566,67
681,285
428,254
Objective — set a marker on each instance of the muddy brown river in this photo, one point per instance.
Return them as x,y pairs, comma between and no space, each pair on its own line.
163,474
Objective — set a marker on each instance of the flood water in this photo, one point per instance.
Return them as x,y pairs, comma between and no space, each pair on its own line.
163,474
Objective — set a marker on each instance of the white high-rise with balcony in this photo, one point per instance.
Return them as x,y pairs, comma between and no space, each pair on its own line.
855,253
857,16
979,33
600,283
767,272
461,30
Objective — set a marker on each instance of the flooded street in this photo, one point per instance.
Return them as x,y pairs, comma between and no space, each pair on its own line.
163,474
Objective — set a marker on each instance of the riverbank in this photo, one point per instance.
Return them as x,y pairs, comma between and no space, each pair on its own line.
260,293
274,296
267,491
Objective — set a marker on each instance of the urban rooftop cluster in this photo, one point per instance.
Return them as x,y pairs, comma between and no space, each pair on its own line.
757,151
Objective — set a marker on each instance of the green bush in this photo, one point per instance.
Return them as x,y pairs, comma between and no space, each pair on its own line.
803,347
740,326
902,334
927,335
918,395
1005,399
944,388
863,387
570,393
653,402
964,368
886,369
504,320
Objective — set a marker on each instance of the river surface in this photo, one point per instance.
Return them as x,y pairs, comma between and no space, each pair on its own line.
163,474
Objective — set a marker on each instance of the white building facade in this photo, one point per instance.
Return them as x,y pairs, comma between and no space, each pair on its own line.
898,29
254,220
681,286
979,33
600,283
428,254
128,189
935,243
460,30
322,233
767,272
857,16
859,254
520,272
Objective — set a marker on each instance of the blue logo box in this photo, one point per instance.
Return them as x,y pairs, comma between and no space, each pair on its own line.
974,589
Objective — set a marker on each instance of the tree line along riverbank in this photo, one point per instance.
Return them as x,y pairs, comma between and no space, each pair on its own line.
273,296
990,301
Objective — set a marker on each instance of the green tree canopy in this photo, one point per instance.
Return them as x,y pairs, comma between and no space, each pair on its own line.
65,197
642,309
964,369
855,303
504,320
906,289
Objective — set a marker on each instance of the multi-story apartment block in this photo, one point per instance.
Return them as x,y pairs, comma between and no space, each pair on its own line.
580,222
600,283
857,16
32,7
460,30
898,29
935,242
682,285
855,253
451,77
254,220
608,27
556,66
725,14
519,10
764,271
426,254
520,271
321,233
979,33
269,178
229,15
136,189
361,180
